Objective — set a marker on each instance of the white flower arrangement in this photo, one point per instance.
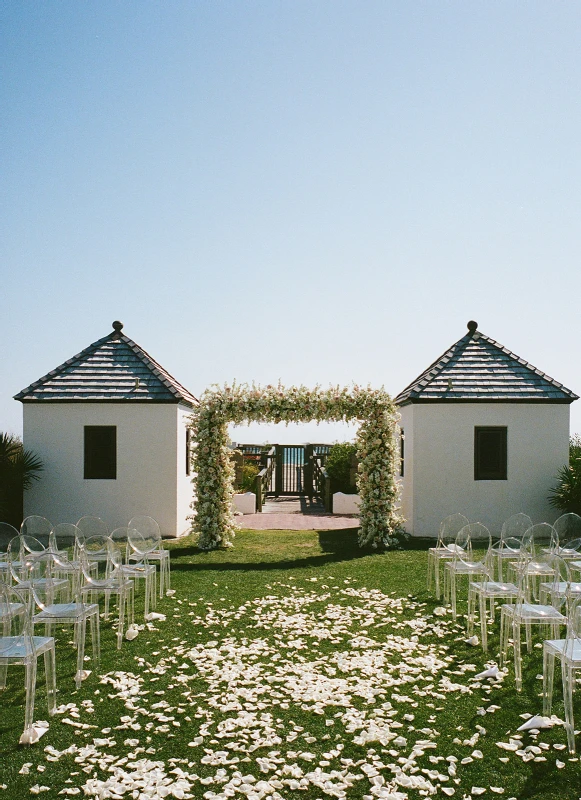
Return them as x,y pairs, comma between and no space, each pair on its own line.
213,471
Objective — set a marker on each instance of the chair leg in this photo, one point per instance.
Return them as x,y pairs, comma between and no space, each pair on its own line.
122,597
503,637
161,576
147,593
548,679
50,673
453,595
95,639
154,589
517,654
470,613
483,623
431,559
81,632
568,674
167,570
30,678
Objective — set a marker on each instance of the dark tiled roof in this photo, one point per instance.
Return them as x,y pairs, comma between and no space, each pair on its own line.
477,368
111,369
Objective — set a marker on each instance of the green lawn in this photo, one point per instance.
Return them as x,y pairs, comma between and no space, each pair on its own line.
293,665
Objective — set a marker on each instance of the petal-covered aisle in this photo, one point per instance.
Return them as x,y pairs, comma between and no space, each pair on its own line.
321,685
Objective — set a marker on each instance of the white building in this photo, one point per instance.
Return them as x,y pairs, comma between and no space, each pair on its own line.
484,434
110,427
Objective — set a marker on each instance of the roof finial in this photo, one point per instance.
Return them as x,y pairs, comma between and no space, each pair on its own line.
117,326
472,326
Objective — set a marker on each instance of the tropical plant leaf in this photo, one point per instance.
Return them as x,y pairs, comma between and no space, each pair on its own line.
566,496
18,469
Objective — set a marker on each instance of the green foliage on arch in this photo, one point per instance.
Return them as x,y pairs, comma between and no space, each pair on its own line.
213,519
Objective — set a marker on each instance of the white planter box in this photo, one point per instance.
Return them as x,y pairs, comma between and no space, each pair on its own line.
245,503
346,503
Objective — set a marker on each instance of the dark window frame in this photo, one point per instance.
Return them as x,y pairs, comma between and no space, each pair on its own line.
188,446
100,452
482,471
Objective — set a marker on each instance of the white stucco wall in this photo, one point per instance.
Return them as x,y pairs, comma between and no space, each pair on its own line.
149,438
439,463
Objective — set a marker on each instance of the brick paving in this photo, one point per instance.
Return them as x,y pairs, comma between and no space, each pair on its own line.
295,514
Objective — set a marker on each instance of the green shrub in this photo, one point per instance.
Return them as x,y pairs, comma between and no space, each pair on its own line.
18,468
249,473
566,497
339,466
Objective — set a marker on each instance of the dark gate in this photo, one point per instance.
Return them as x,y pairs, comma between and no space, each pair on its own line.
290,470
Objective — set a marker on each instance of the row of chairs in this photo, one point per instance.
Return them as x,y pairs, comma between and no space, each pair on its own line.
65,533
58,581
540,560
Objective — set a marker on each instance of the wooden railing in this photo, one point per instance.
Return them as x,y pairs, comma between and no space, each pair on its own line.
263,481
322,484
321,451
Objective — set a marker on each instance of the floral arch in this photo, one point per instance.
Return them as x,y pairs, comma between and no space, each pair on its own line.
213,519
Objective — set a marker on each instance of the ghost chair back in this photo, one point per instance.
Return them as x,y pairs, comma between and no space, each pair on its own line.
38,527
444,549
149,528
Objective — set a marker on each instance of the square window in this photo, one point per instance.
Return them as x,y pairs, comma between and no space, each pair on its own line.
101,452
490,454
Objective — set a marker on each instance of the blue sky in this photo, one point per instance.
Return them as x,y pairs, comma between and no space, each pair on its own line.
321,192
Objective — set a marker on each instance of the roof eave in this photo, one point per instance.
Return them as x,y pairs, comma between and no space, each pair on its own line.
510,400
150,401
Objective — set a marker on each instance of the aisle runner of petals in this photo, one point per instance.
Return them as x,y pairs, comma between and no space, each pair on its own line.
301,693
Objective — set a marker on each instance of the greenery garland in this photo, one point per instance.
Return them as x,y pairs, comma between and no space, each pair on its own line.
213,471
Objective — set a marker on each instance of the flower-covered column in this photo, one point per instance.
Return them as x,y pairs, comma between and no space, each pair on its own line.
213,477
377,485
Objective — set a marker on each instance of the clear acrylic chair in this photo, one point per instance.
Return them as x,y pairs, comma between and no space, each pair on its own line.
76,613
539,544
138,545
63,539
149,528
7,533
113,584
30,565
37,527
567,527
559,589
87,527
527,613
570,550
463,563
575,567
92,526
514,528
64,545
568,651
18,647
490,590
444,549
9,610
